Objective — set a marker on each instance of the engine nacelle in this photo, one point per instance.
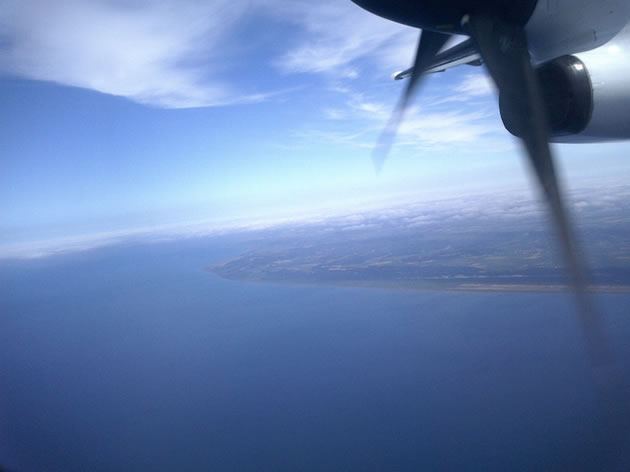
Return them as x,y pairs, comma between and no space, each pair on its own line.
568,96
587,94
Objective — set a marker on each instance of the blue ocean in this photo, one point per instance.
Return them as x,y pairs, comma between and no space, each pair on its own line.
133,357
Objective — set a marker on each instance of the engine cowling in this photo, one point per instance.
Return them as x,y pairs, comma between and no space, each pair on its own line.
587,94
568,96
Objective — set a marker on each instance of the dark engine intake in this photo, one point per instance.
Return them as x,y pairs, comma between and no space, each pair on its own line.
567,93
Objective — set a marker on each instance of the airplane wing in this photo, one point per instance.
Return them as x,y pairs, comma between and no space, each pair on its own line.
462,53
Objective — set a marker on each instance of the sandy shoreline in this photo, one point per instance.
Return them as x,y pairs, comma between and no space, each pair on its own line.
425,286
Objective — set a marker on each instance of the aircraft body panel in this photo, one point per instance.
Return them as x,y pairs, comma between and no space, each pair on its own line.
559,27
608,67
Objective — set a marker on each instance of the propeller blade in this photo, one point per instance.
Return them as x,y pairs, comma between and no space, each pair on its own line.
503,47
429,45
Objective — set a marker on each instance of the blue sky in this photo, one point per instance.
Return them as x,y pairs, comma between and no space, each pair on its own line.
125,115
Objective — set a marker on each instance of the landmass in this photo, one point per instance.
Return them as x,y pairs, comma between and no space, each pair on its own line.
483,245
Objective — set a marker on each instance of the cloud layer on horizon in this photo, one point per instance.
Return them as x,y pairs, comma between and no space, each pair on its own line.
507,207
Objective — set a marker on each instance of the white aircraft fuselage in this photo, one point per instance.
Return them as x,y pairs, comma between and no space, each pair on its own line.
598,34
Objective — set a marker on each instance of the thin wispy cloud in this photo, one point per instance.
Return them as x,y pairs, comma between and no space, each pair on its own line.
163,53
338,38
336,34
447,127
476,85
177,54
430,124
509,205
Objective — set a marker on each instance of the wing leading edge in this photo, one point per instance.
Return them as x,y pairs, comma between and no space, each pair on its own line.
461,53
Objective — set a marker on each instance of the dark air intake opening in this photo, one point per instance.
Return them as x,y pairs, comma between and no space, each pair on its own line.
568,96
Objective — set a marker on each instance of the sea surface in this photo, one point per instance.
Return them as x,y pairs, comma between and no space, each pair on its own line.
134,358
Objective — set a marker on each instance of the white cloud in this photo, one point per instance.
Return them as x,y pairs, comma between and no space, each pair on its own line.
337,33
446,127
159,52
429,125
509,204
334,114
176,53
475,85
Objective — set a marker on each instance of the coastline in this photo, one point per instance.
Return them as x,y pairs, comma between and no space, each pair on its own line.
427,286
